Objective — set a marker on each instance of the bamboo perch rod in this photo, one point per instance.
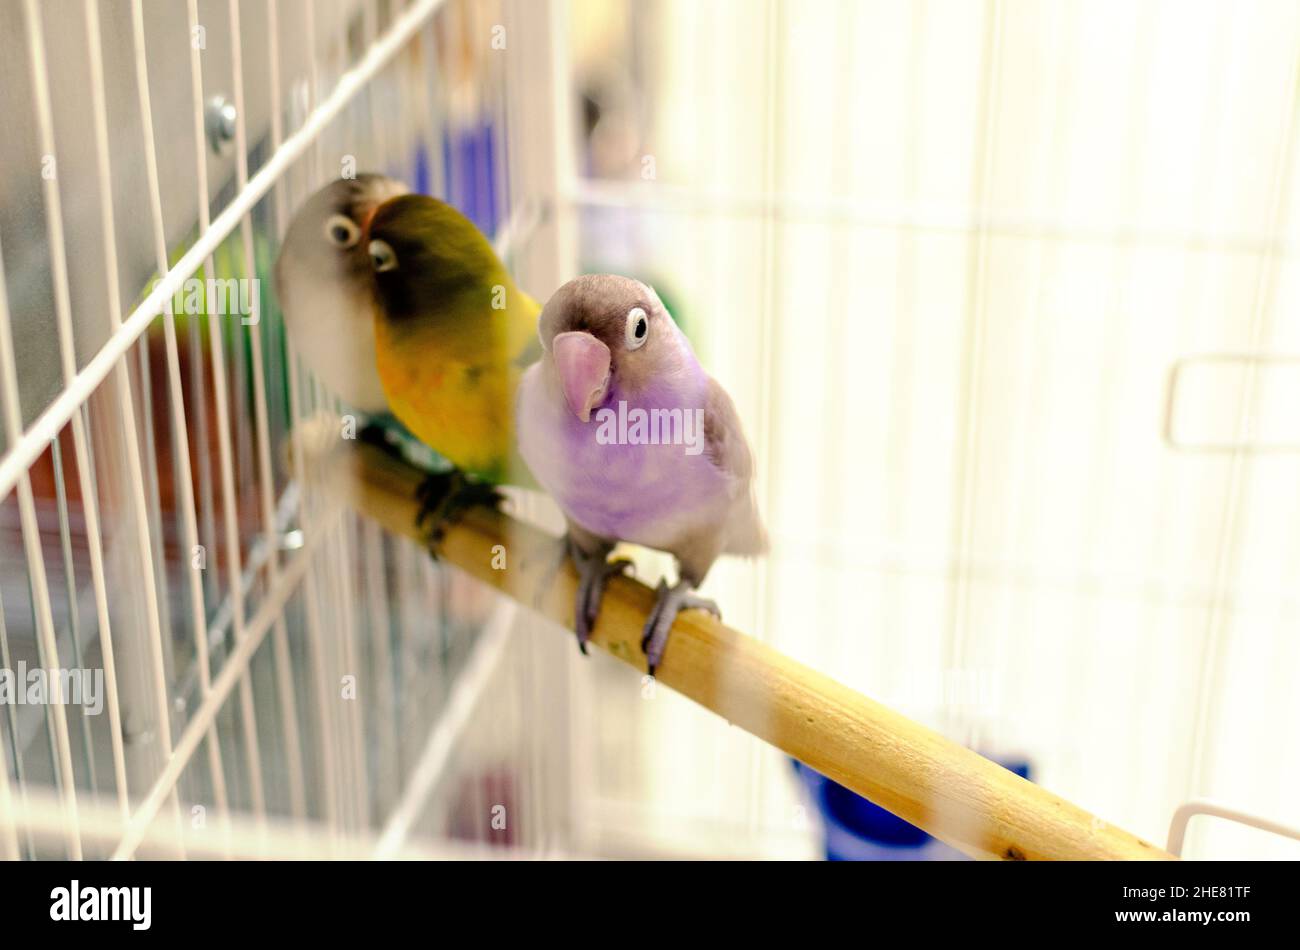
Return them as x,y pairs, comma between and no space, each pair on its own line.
955,794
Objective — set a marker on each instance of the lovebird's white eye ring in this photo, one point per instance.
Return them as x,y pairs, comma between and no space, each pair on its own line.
637,330
382,257
342,231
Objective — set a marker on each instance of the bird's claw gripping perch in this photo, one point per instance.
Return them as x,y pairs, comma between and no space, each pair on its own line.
444,496
594,572
669,602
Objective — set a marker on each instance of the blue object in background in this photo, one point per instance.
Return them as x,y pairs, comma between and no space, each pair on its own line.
423,184
855,829
469,156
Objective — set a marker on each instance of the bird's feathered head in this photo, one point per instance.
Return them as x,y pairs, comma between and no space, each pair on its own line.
602,333
326,239
427,256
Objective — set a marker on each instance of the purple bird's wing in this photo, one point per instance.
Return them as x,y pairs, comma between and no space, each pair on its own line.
724,440
725,446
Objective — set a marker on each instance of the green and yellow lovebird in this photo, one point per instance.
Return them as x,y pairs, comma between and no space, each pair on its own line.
453,335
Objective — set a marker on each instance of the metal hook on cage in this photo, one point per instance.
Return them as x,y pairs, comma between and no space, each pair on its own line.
1205,806
1245,444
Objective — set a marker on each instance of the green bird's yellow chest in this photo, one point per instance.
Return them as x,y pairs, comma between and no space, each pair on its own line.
461,407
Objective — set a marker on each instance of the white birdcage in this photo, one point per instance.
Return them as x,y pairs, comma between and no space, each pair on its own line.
273,664
963,267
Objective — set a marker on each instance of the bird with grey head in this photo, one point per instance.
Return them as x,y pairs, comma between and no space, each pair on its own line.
325,286
637,443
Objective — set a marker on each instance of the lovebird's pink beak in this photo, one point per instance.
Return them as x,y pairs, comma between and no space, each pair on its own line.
583,365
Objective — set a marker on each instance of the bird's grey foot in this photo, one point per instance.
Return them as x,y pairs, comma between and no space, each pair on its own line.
444,496
594,572
669,602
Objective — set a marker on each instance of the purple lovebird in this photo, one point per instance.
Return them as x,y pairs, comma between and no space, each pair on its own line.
637,443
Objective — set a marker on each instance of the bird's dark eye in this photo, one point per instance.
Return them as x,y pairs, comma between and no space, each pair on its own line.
342,231
636,329
382,256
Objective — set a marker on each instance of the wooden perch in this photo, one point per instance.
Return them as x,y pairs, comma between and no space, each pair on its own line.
955,794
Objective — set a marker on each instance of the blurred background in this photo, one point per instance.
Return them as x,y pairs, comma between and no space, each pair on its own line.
1004,293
